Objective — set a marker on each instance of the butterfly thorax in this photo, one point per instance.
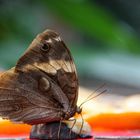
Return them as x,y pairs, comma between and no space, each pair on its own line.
71,112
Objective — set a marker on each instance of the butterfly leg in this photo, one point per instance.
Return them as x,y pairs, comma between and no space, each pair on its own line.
81,124
59,129
72,126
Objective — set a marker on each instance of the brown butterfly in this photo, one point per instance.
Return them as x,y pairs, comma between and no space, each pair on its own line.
43,86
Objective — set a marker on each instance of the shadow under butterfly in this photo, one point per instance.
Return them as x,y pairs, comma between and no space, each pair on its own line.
42,87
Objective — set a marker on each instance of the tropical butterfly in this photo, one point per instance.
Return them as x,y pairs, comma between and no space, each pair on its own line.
43,86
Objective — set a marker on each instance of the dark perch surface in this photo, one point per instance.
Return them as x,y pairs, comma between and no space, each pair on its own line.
50,131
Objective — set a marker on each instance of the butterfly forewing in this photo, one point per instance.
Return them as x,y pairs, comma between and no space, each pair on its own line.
43,85
57,62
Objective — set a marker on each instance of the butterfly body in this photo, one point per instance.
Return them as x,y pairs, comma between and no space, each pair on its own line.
43,86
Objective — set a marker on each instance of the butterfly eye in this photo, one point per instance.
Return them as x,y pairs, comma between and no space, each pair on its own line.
45,48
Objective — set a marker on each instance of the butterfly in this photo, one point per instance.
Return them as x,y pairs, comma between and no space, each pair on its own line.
43,85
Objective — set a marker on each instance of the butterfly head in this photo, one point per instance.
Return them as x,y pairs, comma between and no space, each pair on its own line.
71,112
79,110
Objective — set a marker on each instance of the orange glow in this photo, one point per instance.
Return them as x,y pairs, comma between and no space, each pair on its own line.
103,121
130,120
9,128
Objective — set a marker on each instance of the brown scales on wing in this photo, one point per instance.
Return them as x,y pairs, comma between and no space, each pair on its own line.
53,66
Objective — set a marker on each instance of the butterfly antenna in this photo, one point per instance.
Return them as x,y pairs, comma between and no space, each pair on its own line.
90,98
101,86
94,97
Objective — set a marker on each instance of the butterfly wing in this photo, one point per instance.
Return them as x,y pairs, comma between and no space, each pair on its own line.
43,85
22,100
56,62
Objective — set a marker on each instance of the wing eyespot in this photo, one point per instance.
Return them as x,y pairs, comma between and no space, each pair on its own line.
45,48
16,107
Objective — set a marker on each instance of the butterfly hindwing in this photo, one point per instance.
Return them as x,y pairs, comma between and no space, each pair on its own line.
22,101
